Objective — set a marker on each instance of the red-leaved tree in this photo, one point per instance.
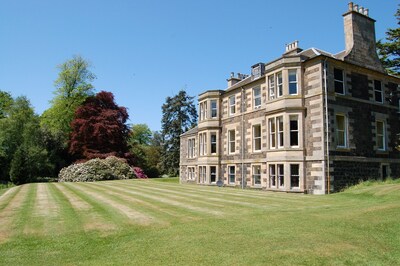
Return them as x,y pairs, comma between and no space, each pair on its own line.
99,129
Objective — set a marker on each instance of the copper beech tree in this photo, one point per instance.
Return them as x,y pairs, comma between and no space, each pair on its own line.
99,129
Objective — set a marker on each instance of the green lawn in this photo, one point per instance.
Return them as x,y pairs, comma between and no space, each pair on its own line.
153,222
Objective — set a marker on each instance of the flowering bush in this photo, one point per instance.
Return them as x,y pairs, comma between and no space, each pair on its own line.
97,169
139,172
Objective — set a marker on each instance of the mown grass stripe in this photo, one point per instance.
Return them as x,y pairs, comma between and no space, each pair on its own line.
88,217
24,218
158,215
247,193
130,214
68,219
265,203
9,214
109,213
180,196
8,197
155,205
221,202
176,203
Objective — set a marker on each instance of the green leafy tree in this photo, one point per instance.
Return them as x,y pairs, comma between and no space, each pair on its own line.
5,103
140,134
73,86
389,51
179,115
146,150
23,155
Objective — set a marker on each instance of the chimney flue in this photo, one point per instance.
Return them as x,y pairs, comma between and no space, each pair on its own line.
360,40
351,6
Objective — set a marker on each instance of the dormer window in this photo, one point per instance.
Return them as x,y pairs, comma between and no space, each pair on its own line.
257,70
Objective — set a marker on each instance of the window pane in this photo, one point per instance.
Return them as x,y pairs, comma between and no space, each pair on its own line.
213,108
272,133
232,141
231,174
271,86
339,81
232,103
341,130
292,82
272,176
257,174
257,137
378,91
257,97
213,143
294,132
279,121
279,84
281,175
213,174
294,176
380,135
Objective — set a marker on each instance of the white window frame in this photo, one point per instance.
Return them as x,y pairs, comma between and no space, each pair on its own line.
214,109
191,148
279,84
202,174
256,171
232,105
272,175
280,175
336,81
213,173
191,173
231,174
272,133
271,87
203,144
257,139
231,141
378,90
294,175
380,135
213,142
341,131
257,97
293,82
280,131
293,131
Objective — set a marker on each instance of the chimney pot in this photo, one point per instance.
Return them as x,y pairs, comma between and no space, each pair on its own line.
355,8
351,6
366,12
361,10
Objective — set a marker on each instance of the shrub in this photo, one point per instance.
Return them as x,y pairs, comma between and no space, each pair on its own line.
110,168
139,172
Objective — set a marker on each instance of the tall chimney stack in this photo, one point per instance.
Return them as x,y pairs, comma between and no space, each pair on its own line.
359,31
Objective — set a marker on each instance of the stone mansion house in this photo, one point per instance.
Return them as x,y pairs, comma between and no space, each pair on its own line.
309,121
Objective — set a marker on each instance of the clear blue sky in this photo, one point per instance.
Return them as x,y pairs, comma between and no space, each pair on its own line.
144,51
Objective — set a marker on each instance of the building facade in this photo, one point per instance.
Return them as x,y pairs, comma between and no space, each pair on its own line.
309,121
